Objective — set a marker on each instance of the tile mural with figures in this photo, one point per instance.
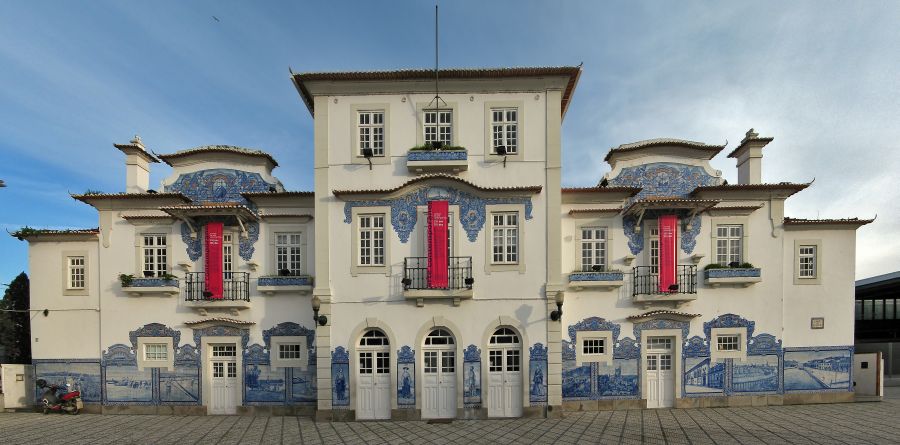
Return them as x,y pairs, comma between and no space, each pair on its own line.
263,384
472,384
618,379
83,376
757,373
704,376
126,383
303,384
820,369
180,385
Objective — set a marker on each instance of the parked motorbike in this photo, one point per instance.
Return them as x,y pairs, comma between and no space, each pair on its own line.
67,401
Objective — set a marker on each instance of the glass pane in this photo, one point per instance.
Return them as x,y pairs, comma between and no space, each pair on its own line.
448,361
889,310
651,363
495,359
512,360
879,310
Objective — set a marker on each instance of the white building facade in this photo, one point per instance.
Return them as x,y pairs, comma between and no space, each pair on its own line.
439,270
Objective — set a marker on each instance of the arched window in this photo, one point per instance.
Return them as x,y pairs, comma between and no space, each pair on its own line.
374,337
439,337
504,336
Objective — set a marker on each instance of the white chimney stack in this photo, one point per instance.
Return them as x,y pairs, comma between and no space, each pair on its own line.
137,165
749,157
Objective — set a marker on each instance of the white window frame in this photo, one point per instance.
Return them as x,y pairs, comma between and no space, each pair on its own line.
76,267
583,336
519,265
806,262
160,354
158,257
442,123
597,246
144,363
354,259
370,248
505,236
275,353
728,342
500,129
355,146
370,131
729,246
739,353
228,264
652,236
489,151
816,244
66,271
293,245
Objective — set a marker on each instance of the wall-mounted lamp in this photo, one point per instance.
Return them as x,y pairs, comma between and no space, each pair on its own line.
557,314
368,153
469,282
316,305
501,151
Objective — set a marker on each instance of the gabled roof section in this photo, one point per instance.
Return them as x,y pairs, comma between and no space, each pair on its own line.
573,73
599,189
789,187
827,222
217,149
423,178
284,194
709,150
88,197
28,233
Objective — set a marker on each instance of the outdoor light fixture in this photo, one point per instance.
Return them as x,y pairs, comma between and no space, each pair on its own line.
406,283
597,268
469,282
368,153
557,314
316,305
501,151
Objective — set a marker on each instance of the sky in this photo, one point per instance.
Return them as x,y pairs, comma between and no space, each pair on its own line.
821,77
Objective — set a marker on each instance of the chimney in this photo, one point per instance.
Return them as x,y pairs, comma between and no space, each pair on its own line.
749,157
137,165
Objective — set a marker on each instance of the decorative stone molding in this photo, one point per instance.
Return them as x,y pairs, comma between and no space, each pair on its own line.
427,161
152,286
596,280
301,284
741,276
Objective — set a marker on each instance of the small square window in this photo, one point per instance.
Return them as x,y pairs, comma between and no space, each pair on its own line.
289,351
728,342
155,352
593,346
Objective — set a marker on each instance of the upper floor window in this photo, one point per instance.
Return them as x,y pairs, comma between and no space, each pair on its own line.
593,248
729,244
227,255
371,132
76,272
288,253
653,250
505,129
806,257
505,238
438,126
371,240
154,247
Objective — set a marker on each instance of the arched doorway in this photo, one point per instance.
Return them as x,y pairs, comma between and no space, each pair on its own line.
439,375
504,397
373,383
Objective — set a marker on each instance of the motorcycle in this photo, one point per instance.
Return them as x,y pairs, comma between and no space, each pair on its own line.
67,401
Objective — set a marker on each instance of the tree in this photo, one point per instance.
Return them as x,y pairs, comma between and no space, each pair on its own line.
15,321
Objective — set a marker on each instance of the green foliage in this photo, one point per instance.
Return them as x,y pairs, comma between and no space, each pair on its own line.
93,192
428,147
719,266
126,279
25,232
746,266
168,276
15,321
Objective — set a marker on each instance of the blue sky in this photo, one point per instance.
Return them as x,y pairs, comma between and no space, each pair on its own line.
821,77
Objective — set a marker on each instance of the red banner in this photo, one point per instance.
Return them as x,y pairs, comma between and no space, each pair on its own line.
438,212
668,253
213,244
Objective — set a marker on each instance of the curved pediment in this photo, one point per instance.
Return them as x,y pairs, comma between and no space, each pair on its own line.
435,181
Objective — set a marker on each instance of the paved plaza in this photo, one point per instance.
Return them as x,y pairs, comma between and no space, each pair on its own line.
858,423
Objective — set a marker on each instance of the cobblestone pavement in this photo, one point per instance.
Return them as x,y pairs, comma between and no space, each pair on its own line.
859,423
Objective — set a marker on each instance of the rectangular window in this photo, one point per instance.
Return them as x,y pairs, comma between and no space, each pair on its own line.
227,256
505,129
155,352
76,272
218,369
665,362
154,248
495,361
232,369
371,132
659,344
448,361
654,247
512,360
859,307
371,240
431,359
289,351
889,310
438,126
879,310
728,342
807,261
505,238
365,362
593,346
868,305
382,362
224,351
729,244
651,363
593,248
288,253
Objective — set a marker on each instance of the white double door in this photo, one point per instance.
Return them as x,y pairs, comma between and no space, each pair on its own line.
659,373
224,379
439,383
373,387
504,395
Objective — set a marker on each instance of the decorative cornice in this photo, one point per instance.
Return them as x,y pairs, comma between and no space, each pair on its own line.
576,212
710,150
217,149
88,197
662,314
816,222
531,189
218,321
598,189
789,187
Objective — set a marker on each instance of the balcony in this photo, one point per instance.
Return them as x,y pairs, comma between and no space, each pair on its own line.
459,282
741,276
600,280
297,284
235,292
153,286
646,289
430,160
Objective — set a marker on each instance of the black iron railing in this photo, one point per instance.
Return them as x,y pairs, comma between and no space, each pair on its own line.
646,280
235,287
459,273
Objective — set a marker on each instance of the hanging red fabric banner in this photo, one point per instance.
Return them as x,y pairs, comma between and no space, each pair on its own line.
438,267
213,244
668,253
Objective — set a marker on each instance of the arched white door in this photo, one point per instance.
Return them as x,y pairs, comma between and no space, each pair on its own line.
504,374
439,375
373,382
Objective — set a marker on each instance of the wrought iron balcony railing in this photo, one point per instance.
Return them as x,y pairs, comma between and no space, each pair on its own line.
646,280
459,273
235,287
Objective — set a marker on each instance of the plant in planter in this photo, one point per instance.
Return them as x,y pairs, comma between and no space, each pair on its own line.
126,279
734,265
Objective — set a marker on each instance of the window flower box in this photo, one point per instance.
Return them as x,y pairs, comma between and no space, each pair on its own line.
271,285
426,159
159,286
596,280
744,276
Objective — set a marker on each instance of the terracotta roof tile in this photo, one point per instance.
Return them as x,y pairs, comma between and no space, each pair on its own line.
217,149
28,232
580,211
790,186
533,189
827,221
277,194
90,196
660,312
632,190
658,142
